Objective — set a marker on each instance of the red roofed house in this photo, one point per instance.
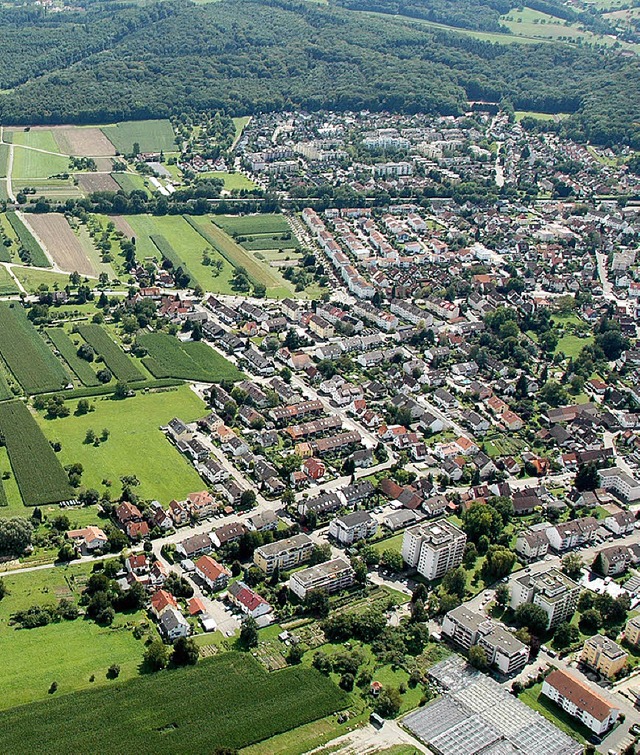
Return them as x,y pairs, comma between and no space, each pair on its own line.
127,512
88,538
247,600
196,606
162,600
579,700
313,468
213,574
137,564
137,530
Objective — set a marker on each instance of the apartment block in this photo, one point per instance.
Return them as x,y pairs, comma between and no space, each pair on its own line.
350,528
603,655
580,701
504,651
553,591
434,548
283,554
331,576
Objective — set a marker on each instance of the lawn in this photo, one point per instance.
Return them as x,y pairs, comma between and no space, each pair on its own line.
547,708
571,345
520,114
231,180
187,244
32,279
152,136
226,701
68,652
136,445
390,544
130,182
28,241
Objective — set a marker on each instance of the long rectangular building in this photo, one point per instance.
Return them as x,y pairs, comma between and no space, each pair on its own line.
331,576
283,554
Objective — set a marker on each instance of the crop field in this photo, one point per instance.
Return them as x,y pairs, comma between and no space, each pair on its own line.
268,242
90,182
227,701
29,162
4,157
5,391
58,238
68,350
188,245
170,357
82,142
136,445
152,136
69,652
40,476
7,284
238,257
114,357
26,354
26,239
247,225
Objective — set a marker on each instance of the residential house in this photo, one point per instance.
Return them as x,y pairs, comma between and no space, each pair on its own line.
247,600
579,700
350,528
213,574
603,655
88,539
172,624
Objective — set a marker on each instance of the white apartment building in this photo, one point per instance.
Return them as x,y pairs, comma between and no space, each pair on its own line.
350,528
623,484
331,576
283,554
434,548
553,591
580,701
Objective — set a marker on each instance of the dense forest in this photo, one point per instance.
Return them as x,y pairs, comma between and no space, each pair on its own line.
244,56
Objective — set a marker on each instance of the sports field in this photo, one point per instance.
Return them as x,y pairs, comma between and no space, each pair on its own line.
227,701
152,136
136,445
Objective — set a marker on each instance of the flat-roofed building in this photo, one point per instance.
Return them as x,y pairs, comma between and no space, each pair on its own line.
553,591
330,576
434,548
603,655
632,631
283,554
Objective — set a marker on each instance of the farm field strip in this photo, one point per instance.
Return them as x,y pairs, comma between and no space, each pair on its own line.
114,357
28,241
7,284
5,391
169,253
60,241
249,225
82,141
80,367
235,254
169,357
26,354
227,701
40,476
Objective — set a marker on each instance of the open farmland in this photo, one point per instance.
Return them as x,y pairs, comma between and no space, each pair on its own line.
136,444
58,238
152,136
188,245
167,252
239,257
248,225
26,354
40,476
114,357
90,182
36,255
5,391
170,357
82,142
68,350
37,155
228,701
7,284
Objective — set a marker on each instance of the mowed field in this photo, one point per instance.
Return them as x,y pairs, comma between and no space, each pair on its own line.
69,652
57,237
37,155
152,136
229,701
136,445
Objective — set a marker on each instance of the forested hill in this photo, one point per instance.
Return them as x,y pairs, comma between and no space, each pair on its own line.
244,56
